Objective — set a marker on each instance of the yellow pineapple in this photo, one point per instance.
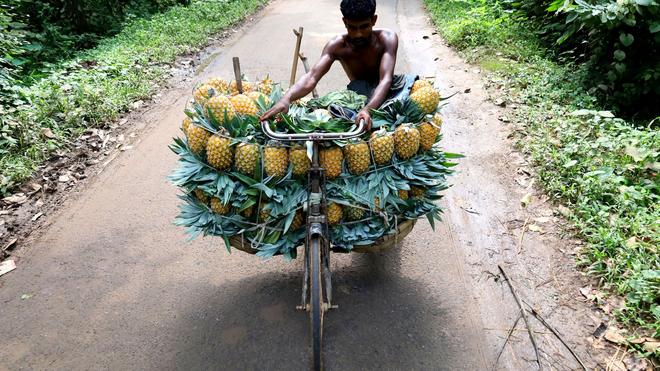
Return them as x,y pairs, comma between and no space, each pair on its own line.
358,157
187,122
335,212
265,86
221,86
202,93
247,213
426,98
220,106
406,141
219,152
377,204
218,207
233,87
276,160
247,157
299,160
255,96
428,132
420,84
264,213
244,105
198,137
382,147
330,158
437,120
297,221
403,194
417,192
201,195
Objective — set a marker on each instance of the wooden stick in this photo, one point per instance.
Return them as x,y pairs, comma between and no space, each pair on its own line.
315,94
522,235
237,74
523,313
506,341
294,68
556,333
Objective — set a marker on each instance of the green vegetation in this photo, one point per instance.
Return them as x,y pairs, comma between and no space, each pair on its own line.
98,84
604,169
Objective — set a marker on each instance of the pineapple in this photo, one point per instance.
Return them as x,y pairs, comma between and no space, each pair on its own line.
354,213
255,96
299,160
265,86
247,157
218,207
420,84
417,192
198,138
406,141
297,221
219,152
221,86
335,213
247,213
244,105
264,213
377,204
403,194
428,134
201,196
187,122
330,159
382,147
426,98
220,105
233,87
437,120
276,160
358,157
202,93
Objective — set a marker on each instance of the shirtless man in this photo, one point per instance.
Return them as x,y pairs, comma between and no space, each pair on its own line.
367,55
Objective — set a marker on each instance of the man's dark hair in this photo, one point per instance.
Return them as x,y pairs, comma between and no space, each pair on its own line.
358,9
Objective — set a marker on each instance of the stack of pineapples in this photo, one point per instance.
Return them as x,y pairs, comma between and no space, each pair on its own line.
236,182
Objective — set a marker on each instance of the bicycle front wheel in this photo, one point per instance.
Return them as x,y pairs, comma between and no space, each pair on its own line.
316,300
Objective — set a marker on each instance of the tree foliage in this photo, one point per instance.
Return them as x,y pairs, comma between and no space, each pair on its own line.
617,39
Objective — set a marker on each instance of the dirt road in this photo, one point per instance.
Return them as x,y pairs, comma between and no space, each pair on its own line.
112,284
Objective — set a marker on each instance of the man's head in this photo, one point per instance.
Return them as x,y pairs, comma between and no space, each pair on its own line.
359,19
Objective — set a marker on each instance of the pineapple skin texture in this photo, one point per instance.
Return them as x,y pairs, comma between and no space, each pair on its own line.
382,148
219,153
335,213
202,93
358,157
198,138
331,159
218,207
299,160
354,213
420,84
244,105
218,105
247,156
428,135
426,98
276,161
406,141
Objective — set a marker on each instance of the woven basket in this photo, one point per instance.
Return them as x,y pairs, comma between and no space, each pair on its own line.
384,243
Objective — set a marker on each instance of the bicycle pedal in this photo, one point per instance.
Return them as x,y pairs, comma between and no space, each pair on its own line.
302,307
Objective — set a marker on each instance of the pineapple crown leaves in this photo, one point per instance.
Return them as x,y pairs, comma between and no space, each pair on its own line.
395,113
344,98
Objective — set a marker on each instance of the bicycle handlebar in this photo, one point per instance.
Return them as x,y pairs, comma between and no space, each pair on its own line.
313,136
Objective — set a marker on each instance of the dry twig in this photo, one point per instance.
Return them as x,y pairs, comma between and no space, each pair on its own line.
523,314
522,235
506,341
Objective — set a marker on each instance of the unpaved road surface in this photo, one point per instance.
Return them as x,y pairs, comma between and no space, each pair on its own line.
112,284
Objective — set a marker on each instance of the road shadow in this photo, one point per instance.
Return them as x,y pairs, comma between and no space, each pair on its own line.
384,321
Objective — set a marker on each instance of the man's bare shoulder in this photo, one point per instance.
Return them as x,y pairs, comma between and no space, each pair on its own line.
336,43
386,35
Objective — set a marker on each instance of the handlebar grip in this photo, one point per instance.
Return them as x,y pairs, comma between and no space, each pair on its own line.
359,130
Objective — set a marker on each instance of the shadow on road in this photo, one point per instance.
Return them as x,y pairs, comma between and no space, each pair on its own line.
383,320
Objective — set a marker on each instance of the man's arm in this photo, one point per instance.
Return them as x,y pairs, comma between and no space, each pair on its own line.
387,64
305,84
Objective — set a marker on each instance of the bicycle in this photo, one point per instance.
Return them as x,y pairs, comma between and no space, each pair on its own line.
317,278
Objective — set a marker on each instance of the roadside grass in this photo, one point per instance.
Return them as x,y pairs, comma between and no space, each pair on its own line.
603,169
99,84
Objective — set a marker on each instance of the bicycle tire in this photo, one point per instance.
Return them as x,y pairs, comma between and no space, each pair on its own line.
316,301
